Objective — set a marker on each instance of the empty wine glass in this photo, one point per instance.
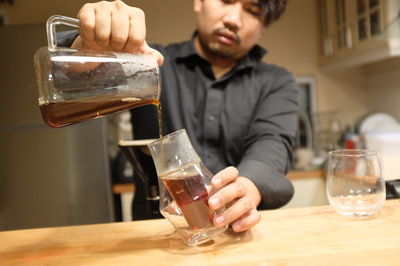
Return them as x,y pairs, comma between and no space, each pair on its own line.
355,186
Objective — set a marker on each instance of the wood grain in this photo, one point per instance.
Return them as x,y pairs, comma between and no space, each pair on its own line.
303,236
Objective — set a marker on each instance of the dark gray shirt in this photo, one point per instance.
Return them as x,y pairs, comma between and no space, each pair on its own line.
247,118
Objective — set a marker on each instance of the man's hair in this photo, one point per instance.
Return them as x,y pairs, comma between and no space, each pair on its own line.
272,10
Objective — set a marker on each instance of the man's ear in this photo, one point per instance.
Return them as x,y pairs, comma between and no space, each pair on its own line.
197,4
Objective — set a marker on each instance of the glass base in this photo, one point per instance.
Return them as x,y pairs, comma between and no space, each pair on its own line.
197,237
191,237
357,213
358,206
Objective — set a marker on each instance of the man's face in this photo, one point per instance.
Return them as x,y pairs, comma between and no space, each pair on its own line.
228,29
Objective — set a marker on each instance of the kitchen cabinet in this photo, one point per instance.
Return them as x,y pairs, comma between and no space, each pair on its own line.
357,32
309,189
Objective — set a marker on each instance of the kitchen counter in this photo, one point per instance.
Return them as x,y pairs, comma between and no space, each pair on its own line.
299,236
292,175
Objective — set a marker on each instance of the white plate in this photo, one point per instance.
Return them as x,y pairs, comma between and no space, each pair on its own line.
379,122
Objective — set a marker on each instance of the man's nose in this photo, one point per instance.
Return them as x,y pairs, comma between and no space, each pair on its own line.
233,18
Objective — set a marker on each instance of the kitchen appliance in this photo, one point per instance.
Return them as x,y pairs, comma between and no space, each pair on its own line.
381,133
48,177
146,203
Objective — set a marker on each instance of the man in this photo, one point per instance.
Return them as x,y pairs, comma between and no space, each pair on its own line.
240,113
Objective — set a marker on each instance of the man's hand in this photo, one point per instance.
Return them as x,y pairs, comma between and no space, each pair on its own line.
113,26
240,197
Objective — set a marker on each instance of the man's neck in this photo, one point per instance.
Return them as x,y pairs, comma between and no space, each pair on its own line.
220,66
220,71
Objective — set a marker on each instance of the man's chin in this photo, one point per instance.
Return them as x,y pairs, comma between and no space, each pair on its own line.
224,53
219,50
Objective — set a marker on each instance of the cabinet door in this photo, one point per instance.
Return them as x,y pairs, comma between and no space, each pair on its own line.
342,26
356,32
335,26
369,19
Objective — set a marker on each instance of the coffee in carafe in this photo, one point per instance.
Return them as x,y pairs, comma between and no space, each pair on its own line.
76,85
65,113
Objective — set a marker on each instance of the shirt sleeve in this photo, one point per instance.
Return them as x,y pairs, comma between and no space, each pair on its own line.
269,142
66,38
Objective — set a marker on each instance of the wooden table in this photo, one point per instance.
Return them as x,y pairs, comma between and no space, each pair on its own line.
306,236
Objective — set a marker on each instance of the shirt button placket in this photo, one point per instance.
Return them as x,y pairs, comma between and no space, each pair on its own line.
212,114
211,121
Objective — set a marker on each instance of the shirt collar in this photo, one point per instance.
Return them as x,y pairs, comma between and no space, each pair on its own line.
188,50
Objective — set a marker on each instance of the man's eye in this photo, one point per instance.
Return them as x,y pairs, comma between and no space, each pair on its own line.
256,11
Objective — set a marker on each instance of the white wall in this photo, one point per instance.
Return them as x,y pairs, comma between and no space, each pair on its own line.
382,84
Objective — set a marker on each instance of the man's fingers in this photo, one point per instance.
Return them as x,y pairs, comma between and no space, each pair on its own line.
234,212
113,25
103,28
247,221
119,30
137,30
159,57
224,177
87,20
226,188
145,49
226,195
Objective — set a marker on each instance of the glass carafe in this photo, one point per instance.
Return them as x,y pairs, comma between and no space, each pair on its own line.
75,85
185,188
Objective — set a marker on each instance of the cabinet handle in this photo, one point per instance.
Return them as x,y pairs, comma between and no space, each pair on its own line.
349,39
328,49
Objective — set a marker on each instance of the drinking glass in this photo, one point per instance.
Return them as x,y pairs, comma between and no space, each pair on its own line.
355,186
184,184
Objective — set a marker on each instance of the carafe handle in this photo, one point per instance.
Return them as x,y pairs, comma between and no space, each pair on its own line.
51,24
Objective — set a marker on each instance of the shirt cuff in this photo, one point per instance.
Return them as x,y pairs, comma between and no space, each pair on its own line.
276,190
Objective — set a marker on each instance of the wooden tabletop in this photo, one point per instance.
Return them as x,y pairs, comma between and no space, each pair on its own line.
304,236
